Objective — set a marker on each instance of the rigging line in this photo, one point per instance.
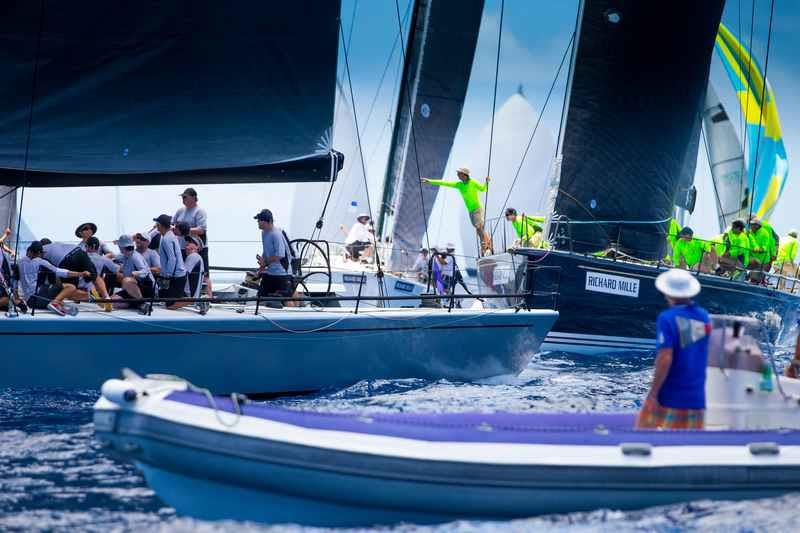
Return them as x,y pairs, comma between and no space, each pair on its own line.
11,190
494,102
533,133
761,109
361,158
30,127
748,80
352,24
411,126
741,113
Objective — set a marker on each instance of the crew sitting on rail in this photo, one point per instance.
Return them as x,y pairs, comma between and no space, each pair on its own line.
687,252
195,267
420,268
134,275
763,245
528,228
36,292
677,395
106,268
150,256
359,242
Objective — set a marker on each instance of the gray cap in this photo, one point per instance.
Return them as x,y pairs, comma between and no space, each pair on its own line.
125,241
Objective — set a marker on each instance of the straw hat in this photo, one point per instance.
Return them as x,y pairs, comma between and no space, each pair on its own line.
677,283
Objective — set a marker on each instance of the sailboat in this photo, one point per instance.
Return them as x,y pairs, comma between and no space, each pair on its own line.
144,100
626,139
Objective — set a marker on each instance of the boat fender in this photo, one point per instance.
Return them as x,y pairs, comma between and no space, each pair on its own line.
764,448
636,449
118,391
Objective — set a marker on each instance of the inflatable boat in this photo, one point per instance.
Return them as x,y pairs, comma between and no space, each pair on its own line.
227,458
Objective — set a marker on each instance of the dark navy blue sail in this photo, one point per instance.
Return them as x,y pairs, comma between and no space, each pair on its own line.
630,136
151,92
438,63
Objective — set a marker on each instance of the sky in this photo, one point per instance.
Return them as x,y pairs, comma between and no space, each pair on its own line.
535,35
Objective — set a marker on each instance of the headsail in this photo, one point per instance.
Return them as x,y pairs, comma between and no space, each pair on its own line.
628,134
441,46
176,92
767,169
726,160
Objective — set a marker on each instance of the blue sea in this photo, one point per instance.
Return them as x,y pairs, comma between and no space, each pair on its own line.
54,477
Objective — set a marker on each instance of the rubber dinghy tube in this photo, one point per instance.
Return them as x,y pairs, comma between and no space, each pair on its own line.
118,391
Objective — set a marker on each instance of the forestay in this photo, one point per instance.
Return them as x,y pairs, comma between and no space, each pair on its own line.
177,92
639,77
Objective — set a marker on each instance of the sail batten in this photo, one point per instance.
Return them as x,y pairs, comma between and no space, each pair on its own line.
630,138
200,91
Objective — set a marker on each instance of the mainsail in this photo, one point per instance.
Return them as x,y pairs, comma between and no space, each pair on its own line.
726,161
438,63
767,163
175,92
628,133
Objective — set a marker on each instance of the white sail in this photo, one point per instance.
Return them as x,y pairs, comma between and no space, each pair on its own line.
726,160
513,124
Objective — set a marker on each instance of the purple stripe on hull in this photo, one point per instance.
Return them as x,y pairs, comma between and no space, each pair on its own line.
609,429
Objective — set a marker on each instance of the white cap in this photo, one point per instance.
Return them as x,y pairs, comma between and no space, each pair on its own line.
362,215
451,246
678,283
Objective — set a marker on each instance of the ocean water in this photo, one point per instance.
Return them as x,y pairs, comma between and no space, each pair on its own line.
53,475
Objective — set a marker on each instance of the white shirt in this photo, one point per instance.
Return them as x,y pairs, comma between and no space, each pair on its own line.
29,273
358,233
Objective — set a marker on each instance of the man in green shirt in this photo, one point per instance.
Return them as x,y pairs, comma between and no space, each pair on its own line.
787,252
737,248
763,244
469,189
528,228
687,252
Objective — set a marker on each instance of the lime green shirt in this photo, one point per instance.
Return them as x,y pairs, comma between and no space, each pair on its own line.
672,232
469,191
690,251
527,226
788,250
762,244
738,246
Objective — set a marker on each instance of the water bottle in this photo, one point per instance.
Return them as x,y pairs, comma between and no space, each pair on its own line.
766,378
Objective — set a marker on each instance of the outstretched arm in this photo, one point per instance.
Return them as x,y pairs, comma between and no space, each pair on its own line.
440,183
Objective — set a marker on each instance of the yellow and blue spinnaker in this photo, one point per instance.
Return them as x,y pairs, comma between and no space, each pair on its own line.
767,163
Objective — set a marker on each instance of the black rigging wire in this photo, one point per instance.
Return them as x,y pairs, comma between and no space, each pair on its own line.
30,127
361,158
494,101
761,108
535,128
711,170
747,103
411,126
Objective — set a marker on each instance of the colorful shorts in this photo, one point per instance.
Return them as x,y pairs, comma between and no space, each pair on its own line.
654,416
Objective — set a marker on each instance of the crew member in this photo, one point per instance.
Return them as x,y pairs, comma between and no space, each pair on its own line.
677,395
359,239
197,219
737,249
75,259
105,267
469,189
194,267
763,244
172,278
787,253
528,228
420,268
134,275
150,256
273,263
687,251
46,295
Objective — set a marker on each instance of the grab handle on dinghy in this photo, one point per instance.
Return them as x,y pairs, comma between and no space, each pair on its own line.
636,449
118,391
764,448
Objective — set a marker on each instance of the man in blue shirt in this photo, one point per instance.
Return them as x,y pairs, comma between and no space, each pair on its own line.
273,262
677,398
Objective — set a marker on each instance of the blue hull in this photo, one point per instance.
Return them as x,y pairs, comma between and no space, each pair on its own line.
276,351
596,318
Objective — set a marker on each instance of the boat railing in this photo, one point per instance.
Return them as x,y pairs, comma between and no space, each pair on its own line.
778,276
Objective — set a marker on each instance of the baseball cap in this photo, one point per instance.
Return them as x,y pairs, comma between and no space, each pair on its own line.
189,192
265,215
164,220
124,241
36,247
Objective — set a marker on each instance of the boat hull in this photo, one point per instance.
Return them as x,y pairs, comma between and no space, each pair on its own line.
275,351
319,469
608,307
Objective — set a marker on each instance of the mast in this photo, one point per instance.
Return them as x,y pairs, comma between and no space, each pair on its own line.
436,71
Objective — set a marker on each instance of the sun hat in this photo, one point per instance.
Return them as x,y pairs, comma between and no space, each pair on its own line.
91,225
462,170
677,283
362,215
